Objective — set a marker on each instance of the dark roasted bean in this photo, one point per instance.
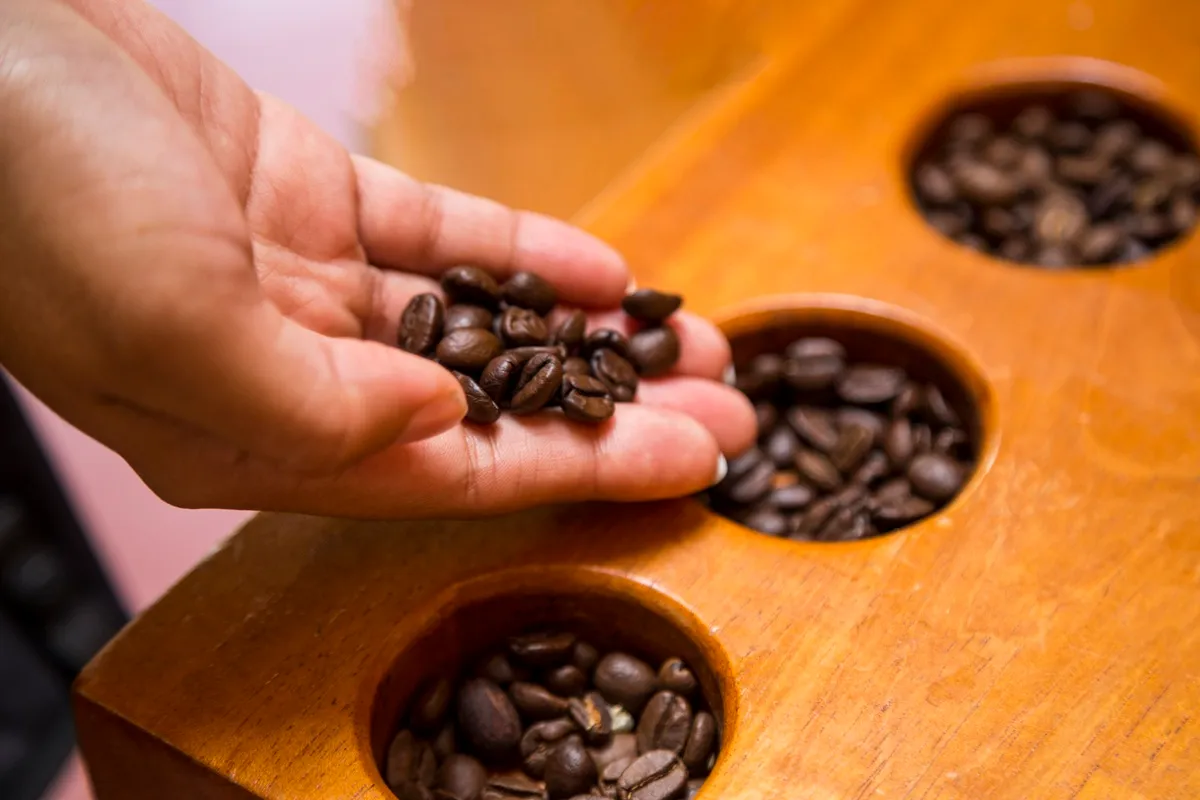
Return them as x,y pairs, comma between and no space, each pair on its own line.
542,649
815,426
540,381
781,446
444,743
665,723
654,351
567,680
818,470
569,769
875,466
481,409
868,384
625,680
527,290
622,746
521,327
898,442
675,676
586,399
536,702
471,285
498,669
461,778
593,717
488,720
852,447
657,775
421,324
468,349
605,339
766,520
616,373
584,657
701,742
410,760
577,366
462,315
540,738
650,306
571,330
430,705
935,476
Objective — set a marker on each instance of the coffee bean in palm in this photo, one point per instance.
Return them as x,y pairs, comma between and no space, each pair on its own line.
868,384
665,723
472,286
935,476
815,426
569,769
481,409
462,315
592,716
656,775
488,720
571,330
654,350
624,680
617,374
500,376
675,676
542,649
605,339
586,399
461,777
521,327
650,306
701,742
468,349
527,290
421,324
540,381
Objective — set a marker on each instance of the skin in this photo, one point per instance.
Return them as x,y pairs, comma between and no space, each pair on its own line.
201,279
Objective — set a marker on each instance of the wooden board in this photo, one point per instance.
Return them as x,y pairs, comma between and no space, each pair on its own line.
1038,639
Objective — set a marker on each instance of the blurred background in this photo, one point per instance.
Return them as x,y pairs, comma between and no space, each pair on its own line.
541,104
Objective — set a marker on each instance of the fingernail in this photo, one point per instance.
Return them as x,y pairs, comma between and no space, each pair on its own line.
436,417
730,375
722,470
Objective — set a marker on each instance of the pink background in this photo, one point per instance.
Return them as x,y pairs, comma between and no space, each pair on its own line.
327,59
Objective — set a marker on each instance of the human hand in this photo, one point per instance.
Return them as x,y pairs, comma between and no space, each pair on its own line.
201,279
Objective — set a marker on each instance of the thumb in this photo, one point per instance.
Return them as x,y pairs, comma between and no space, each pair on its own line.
310,403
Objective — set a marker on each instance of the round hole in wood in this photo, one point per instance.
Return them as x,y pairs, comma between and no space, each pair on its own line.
473,621
1075,168
869,420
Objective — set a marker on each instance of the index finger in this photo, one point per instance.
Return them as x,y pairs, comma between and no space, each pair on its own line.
408,225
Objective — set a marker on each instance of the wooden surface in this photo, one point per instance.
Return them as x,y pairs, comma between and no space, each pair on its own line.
1039,639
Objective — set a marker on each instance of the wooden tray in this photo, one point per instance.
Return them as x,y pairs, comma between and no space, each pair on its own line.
1037,639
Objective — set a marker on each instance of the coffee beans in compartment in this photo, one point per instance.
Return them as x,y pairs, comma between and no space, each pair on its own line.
1078,178
547,716
847,448
499,342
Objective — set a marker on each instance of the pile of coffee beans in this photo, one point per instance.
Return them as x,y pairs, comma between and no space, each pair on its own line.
846,450
1077,179
499,342
550,717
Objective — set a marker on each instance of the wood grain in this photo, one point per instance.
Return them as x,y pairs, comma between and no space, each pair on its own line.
1038,639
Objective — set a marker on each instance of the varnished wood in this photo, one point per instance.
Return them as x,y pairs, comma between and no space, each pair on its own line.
1039,639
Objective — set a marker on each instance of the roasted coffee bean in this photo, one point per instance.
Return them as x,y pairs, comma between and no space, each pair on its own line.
982,183
577,366
513,785
675,676
622,747
949,440
616,373
922,438
781,446
569,769
541,738
875,466
815,516
468,349
1070,137
625,680
815,426
471,285
586,399
868,384
499,670
421,324
848,415
949,223
593,717
584,657
654,351
500,376
898,442
893,490
444,743
657,775
481,409
1003,152
565,681
1033,122
766,416
969,129
488,720
467,316
1182,214
701,741
540,381
1151,157
818,470
742,465
935,184
935,476
852,447
521,327
611,774
605,339
430,704
527,290
811,365
650,306
461,778
901,512
665,723
908,401
536,702
571,330
766,520
1061,218
1085,170
410,760
542,649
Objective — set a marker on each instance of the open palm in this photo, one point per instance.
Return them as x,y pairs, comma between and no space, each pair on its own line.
222,305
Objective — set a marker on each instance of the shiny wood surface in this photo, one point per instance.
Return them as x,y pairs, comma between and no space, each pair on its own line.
1038,639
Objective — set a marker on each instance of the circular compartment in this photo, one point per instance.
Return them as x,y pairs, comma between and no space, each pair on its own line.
868,421
1057,173
479,619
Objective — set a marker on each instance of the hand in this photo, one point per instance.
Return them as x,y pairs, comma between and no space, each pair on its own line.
201,279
